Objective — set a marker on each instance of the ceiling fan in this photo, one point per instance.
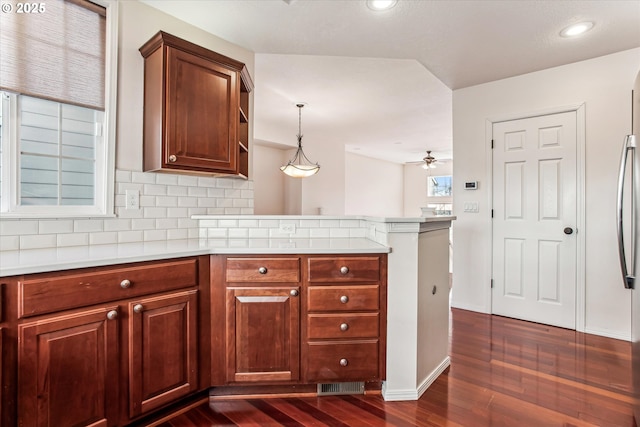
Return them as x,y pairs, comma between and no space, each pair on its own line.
428,162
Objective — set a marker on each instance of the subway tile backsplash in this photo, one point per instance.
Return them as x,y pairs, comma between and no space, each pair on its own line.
167,202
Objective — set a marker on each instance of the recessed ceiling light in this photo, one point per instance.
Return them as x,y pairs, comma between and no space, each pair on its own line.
378,5
576,29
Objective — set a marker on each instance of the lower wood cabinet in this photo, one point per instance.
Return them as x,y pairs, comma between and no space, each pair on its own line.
107,346
345,334
163,350
263,329
109,364
68,369
300,319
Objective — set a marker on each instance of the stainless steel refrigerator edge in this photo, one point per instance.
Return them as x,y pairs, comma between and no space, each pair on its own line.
630,155
635,304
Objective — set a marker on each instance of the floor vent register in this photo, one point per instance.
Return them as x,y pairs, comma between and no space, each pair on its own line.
340,388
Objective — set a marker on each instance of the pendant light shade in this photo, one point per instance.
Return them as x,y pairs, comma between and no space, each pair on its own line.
300,166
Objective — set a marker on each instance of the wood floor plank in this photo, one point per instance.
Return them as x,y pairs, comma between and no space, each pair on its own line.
503,372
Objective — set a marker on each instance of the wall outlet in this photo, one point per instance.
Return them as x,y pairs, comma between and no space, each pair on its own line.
133,199
287,228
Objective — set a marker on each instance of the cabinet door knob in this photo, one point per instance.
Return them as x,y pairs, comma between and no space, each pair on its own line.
262,270
125,284
344,269
294,292
138,308
344,327
172,158
112,314
344,362
344,299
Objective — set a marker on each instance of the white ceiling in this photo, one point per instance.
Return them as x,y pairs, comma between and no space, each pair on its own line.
380,82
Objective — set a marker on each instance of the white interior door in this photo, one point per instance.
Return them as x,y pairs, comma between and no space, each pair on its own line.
534,209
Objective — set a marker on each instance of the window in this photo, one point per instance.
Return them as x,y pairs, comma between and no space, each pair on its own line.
439,194
57,121
439,186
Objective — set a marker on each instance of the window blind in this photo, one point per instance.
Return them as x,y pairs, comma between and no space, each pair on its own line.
57,152
58,54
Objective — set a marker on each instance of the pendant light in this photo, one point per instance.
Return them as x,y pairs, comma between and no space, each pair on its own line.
300,166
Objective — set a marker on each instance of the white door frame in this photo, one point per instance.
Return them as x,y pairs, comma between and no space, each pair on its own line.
580,198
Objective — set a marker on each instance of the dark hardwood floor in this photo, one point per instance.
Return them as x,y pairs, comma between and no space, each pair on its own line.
503,372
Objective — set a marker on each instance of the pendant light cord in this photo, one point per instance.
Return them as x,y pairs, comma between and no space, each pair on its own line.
300,125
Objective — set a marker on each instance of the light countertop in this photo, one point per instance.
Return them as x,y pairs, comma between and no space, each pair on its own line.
13,263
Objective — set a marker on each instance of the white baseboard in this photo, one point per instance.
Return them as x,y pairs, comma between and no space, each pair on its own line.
433,376
414,394
469,307
608,334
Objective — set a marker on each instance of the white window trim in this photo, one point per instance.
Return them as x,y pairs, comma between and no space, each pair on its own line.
105,171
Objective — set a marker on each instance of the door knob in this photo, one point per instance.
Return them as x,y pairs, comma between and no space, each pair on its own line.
568,230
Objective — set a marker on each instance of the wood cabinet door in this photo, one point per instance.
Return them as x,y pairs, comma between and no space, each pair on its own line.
69,370
163,350
263,329
202,113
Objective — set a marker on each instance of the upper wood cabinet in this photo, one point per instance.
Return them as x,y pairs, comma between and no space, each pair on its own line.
196,109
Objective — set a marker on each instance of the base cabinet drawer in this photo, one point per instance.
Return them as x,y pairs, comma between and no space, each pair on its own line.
340,361
339,326
49,294
263,270
344,269
343,298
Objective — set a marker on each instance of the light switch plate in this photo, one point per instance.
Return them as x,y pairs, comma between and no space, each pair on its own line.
471,207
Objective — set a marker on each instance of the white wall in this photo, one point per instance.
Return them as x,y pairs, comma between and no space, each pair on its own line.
415,186
167,201
603,85
326,189
373,187
268,180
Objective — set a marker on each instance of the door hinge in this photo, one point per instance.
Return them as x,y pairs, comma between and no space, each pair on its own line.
491,283
492,144
491,213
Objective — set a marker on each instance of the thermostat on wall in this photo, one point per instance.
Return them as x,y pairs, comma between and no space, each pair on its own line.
471,185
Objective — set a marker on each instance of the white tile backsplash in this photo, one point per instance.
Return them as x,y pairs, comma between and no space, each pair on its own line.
55,226
36,241
167,201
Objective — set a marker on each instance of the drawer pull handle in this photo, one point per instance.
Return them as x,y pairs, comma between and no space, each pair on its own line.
344,362
294,292
138,308
344,327
113,314
344,270
125,284
262,270
344,299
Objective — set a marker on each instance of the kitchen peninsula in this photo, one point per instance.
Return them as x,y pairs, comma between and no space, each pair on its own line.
404,259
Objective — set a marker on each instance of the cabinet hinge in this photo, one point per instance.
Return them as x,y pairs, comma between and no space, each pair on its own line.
491,283
492,144
491,213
